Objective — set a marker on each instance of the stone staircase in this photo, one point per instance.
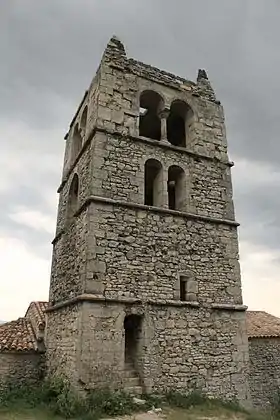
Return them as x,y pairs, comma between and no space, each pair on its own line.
131,379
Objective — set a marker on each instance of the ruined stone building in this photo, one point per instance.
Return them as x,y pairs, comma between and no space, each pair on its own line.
145,289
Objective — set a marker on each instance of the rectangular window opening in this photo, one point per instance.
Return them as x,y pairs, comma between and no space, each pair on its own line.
183,289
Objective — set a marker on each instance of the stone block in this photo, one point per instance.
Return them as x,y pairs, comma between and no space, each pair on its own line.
104,113
117,116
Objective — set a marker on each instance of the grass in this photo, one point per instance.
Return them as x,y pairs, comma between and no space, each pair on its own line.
27,414
215,412
56,401
194,413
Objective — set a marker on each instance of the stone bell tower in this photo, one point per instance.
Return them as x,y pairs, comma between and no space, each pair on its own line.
145,289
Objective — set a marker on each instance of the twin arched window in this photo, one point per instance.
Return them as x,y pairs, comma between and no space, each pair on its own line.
154,186
174,129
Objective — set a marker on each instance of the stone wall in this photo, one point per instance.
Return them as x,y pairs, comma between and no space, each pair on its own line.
89,101
119,102
83,170
136,252
264,375
69,261
63,343
141,254
118,172
182,347
21,368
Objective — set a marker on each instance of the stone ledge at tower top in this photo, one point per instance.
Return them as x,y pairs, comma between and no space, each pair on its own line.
115,57
115,54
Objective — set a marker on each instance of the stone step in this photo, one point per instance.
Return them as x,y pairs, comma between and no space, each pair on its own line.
129,374
129,367
129,362
132,381
134,390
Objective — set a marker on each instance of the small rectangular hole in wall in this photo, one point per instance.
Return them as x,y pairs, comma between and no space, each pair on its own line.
188,288
183,289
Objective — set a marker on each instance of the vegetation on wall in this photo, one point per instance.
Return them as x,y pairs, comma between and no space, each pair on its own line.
58,398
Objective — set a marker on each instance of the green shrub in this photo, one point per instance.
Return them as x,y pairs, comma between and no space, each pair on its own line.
22,395
231,405
154,400
58,395
177,399
197,398
106,402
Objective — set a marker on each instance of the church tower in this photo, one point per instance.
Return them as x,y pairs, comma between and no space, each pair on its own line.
145,289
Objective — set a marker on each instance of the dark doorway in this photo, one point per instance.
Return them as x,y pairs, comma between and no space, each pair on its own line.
133,330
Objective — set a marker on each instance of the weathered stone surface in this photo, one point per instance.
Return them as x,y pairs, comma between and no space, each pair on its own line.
120,258
264,371
21,369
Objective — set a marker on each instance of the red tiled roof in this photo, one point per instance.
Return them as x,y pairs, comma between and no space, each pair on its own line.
261,324
36,314
17,336
25,333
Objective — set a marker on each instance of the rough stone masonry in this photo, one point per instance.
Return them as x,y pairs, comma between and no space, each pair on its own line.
145,289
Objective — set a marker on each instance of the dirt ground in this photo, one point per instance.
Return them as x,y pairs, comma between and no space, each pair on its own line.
171,414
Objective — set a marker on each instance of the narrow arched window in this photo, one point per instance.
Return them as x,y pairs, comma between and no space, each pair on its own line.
176,188
84,118
178,122
72,204
151,103
153,182
77,142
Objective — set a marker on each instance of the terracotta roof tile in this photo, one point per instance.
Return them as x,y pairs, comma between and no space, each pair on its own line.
25,333
17,336
262,324
36,314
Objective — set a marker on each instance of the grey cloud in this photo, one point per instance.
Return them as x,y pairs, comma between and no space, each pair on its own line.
50,51
26,198
257,210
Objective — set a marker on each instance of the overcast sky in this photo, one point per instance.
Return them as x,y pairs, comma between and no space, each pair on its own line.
49,53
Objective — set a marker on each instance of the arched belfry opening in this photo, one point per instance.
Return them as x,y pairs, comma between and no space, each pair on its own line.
151,103
178,122
176,188
153,183
133,335
84,118
72,204
77,142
